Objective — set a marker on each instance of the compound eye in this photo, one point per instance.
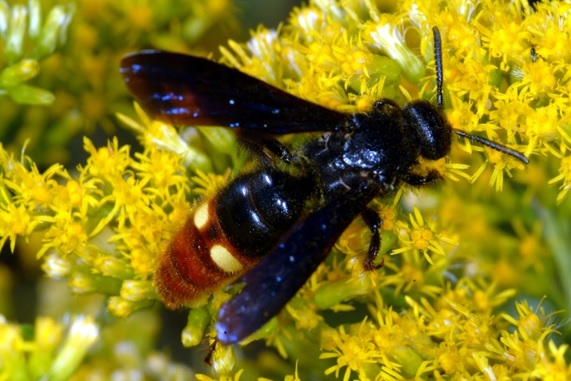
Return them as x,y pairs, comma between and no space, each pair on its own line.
431,129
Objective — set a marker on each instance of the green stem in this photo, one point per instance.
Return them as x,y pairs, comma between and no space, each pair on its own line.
558,237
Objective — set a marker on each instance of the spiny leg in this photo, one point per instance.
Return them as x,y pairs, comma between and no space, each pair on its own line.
417,180
263,146
374,223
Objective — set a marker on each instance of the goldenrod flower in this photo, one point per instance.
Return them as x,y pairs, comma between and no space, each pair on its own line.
462,262
55,351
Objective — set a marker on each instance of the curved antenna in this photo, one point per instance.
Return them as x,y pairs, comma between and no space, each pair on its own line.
439,100
438,66
492,145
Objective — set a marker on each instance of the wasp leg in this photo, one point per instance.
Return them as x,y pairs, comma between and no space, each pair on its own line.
419,180
211,349
374,222
278,149
263,146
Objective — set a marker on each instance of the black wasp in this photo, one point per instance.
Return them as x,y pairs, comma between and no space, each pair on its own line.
272,227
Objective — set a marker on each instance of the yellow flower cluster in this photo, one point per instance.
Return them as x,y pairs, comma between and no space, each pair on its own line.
55,351
103,228
456,333
462,264
76,62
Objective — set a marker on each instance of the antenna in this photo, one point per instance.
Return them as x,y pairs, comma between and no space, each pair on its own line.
438,66
440,102
493,145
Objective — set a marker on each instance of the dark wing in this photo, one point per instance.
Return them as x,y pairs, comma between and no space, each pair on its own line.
278,277
186,90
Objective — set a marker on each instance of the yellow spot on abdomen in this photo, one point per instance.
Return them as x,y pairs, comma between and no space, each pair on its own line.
224,259
201,216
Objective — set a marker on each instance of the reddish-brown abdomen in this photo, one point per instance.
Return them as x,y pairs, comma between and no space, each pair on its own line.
199,260
229,233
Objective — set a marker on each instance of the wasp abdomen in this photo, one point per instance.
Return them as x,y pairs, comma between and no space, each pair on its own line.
227,234
259,207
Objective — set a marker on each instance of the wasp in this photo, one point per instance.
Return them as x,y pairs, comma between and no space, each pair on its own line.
270,228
